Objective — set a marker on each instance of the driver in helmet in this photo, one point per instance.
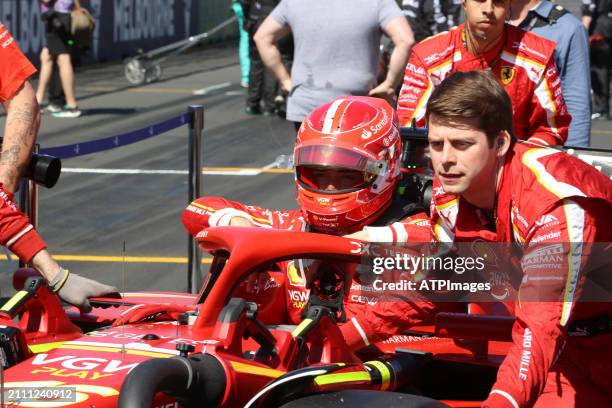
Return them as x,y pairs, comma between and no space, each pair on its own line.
347,161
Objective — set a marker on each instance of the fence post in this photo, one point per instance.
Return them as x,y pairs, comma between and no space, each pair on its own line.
196,125
28,199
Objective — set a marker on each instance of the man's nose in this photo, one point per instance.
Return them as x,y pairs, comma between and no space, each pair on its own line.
448,154
487,7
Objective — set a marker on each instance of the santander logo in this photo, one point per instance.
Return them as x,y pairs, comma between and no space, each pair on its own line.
366,134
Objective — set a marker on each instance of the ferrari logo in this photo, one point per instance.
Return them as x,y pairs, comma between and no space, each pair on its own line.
507,74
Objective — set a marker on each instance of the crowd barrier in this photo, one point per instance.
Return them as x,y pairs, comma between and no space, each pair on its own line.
193,118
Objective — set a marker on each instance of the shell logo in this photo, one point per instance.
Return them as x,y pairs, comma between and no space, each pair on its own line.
296,277
82,393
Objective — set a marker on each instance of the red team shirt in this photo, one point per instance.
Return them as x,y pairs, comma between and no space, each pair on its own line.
523,63
16,232
15,67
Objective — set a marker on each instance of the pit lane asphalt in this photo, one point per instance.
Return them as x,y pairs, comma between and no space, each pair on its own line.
87,217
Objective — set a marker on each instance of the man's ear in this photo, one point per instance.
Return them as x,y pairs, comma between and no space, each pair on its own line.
502,143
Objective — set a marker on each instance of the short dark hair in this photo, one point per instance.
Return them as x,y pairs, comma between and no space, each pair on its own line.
473,95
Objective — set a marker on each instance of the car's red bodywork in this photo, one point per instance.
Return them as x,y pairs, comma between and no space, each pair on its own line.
97,362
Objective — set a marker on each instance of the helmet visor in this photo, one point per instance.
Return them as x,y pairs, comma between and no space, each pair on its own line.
333,169
331,180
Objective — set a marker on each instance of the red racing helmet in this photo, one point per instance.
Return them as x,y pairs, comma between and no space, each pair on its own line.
347,163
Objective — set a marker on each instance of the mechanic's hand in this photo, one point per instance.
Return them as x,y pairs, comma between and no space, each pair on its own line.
241,222
75,289
385,91
286,86
362,235
152,313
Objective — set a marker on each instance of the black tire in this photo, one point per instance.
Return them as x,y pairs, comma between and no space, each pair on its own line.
364,398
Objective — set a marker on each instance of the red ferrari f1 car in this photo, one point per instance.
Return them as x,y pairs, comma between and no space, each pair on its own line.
233,351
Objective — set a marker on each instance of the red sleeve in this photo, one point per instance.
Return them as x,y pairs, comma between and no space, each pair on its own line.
550,120
415,92
385,319
15,68
16,232
551,285
391,314
217,212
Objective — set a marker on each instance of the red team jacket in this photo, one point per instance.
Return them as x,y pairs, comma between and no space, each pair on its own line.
546,198
522,61
16,232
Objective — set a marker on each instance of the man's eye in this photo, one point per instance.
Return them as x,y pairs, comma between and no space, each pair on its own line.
462,145
435,145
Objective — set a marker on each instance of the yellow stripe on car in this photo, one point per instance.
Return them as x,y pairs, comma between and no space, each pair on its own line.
301,327
342,378
256,370
384,371
119,350
17,297
44,347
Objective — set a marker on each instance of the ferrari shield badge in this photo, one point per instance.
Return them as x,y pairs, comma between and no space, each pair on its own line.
507,74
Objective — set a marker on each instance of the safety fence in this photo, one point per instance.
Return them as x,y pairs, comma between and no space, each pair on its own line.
193,118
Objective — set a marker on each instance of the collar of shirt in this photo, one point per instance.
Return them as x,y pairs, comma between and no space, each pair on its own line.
542,9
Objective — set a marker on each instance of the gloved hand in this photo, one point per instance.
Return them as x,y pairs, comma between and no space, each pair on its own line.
75,289
152,313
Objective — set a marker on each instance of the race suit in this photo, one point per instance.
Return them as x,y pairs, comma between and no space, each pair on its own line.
215,211
545,197
522,61
16,232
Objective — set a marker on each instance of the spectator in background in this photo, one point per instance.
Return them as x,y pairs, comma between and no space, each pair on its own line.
20,131
57,99
262,84
243,45
56,15
571,56
431,17
597,18
336,50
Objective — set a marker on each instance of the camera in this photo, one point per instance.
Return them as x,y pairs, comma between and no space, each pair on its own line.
42,169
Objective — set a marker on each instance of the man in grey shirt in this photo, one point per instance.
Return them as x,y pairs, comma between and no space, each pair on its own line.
336,50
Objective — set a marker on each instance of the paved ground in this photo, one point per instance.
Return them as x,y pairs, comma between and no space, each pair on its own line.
91,215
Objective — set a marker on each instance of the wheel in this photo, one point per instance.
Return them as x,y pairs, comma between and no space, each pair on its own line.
135,71
364,398
153,73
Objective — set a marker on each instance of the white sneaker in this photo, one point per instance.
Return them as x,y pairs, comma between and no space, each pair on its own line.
52,108
68,113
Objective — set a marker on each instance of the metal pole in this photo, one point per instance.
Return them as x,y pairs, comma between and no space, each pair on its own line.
196,126
28,199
